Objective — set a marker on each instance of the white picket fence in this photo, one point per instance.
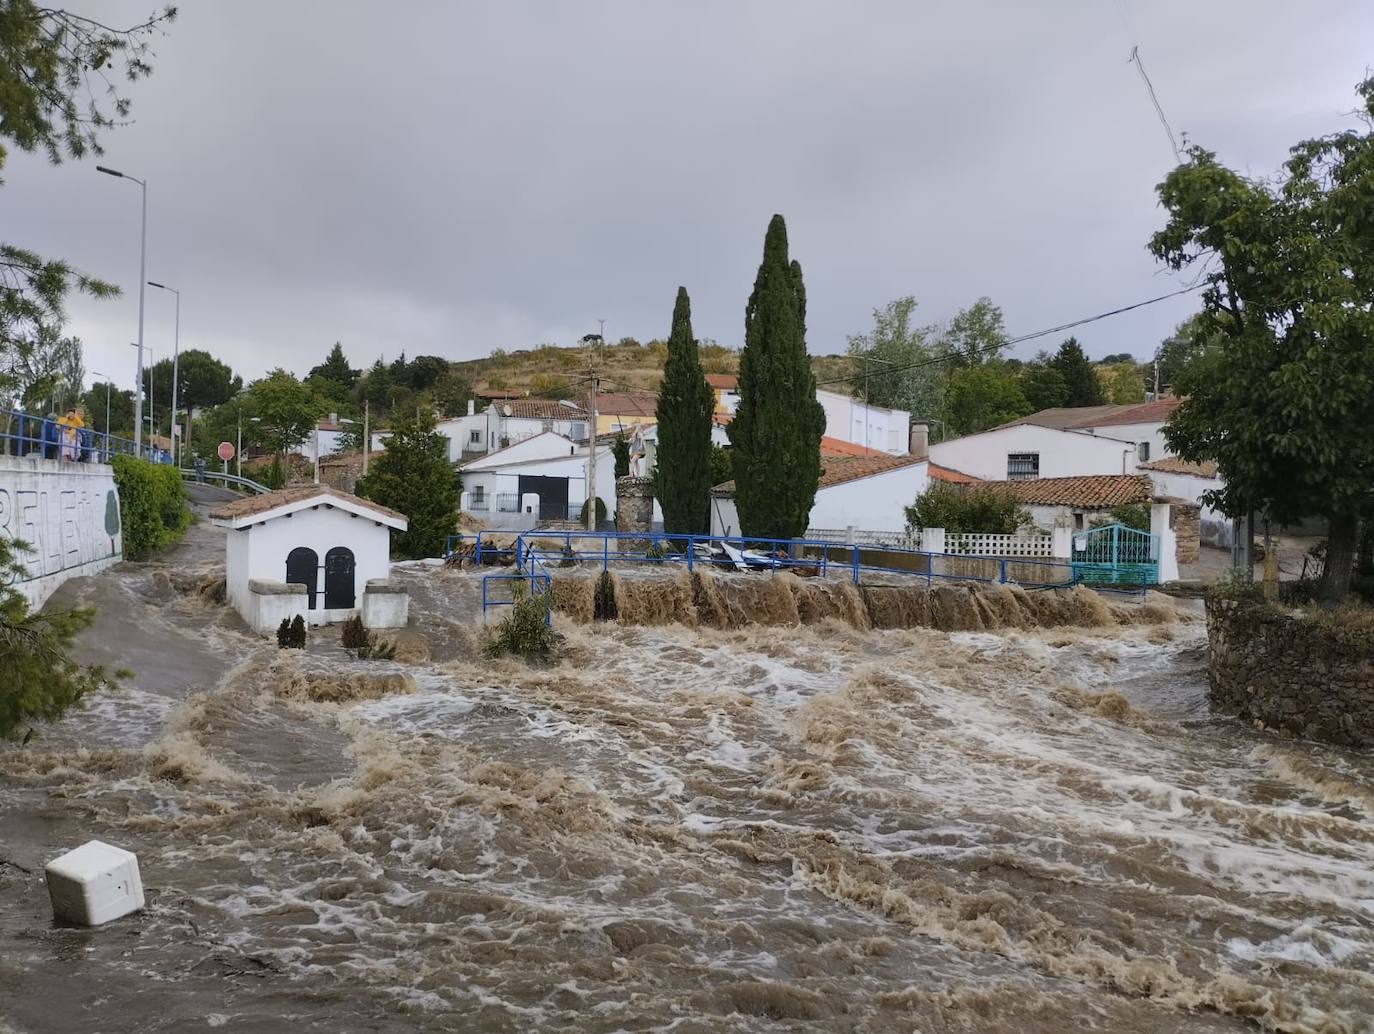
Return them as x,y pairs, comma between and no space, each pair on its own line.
936,540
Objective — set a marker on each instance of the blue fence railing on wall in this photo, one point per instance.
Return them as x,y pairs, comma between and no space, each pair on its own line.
532,554
22,434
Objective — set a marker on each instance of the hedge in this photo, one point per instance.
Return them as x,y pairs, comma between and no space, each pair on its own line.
152,503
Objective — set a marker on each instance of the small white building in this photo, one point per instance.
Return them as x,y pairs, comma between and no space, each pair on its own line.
1077,502
1179,479
514,420
310,550
536,480
865,492
1019,452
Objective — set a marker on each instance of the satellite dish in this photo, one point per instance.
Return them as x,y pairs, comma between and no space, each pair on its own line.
506,409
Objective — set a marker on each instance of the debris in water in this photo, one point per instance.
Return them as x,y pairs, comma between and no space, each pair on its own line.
94,884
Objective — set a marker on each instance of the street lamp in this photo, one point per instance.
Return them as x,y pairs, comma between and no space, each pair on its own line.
317,448
176,351
139,394
142,275
108,385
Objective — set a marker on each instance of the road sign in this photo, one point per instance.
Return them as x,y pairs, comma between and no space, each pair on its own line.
225,451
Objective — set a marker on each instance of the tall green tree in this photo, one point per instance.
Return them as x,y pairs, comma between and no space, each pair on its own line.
1177,352
1122,383
287,410
335,368
413,476
1043,385
685,406
976,334
58,92
451,393
1080,378
120,405
1282,393
983,396
886,370
777,429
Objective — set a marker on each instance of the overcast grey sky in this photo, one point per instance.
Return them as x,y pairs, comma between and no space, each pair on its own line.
448,178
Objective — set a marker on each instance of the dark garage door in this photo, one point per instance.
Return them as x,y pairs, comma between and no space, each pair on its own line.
552,492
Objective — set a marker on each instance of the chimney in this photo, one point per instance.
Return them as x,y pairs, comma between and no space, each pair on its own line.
918,444
334,419
472,407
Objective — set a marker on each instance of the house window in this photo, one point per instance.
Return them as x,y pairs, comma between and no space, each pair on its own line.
1144,448
475,438
479,497
1022,466
579,431
547,425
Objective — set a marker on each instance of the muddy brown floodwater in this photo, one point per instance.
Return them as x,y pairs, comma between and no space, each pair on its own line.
818,827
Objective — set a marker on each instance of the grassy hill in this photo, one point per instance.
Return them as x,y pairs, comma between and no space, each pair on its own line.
628,366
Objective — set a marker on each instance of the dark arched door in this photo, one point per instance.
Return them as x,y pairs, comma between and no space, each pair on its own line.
338,579
303,568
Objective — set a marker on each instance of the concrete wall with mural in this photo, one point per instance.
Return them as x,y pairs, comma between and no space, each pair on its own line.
67,514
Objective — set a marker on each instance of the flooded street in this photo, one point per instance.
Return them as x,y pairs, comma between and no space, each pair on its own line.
822,827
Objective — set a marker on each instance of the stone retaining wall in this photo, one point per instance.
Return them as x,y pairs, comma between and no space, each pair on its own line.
1290,672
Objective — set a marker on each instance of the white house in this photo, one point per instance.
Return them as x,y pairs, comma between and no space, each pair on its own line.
1078,501
1179,479
310,550
329,435
1024,451
1141,423
874,427
536,480
514,420
864,492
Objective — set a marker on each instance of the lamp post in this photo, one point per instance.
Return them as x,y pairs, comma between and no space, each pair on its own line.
238,453
108,385
142,276
139,395
176,352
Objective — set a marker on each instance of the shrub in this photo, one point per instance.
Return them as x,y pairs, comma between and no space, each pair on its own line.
152,502
656,552
362,643
275,476
1133,515
291,634
525,631
600,512
603,598
986,511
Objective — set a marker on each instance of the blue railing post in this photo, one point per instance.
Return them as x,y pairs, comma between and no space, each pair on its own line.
856,564
1002,571
605,551
691,551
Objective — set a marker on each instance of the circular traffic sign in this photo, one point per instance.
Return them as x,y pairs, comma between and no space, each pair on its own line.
226,451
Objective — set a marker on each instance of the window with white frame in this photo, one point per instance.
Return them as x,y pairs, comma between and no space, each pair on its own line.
475,437
1023,466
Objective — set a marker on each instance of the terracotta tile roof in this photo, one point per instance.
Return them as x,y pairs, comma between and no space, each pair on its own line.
252,505
951,476
613,404
1174,465
540,409
1094,492
1083,417
838,470
840,447
722,380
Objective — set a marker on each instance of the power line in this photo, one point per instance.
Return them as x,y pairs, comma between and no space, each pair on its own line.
948,356
1149,87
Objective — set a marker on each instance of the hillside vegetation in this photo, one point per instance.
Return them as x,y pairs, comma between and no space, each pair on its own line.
627,365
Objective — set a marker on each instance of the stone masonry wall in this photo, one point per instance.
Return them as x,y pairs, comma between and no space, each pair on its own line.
634,504
1291,672
1186,520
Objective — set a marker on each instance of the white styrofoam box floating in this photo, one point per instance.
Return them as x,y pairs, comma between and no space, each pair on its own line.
94,884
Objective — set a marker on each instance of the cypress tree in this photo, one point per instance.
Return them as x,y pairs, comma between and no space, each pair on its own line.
1079,375
776,432
682,475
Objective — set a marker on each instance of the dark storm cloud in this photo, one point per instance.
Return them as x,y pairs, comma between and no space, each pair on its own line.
449,178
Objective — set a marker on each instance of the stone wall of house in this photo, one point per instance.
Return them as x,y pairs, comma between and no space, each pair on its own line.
1186,520
634,504
1291,672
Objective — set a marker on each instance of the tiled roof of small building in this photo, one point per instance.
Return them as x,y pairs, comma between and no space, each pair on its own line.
1174,465
1099,491
252,505
540,409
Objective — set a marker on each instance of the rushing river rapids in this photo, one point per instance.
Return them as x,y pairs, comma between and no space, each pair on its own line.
819,827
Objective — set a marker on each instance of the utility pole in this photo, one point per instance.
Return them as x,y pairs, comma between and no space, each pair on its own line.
367,435
1156,378
591,451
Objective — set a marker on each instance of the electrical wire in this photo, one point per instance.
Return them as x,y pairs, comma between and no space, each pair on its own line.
963,354
1149,87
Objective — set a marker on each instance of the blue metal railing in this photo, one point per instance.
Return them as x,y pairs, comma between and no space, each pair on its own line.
48,438
533,551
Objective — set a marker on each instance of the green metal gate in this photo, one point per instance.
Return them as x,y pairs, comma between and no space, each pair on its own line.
1115,554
